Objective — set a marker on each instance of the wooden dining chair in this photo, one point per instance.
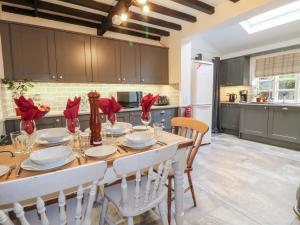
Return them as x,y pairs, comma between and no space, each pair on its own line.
84,179
137,196
194,129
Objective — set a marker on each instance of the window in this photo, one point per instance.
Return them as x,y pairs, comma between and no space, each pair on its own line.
282,88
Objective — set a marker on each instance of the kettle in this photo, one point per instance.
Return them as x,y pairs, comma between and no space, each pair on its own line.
232,97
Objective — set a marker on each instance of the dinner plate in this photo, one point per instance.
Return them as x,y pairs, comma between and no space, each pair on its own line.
121,128
141,128
139,137
27,164
50,155
52,135
3,170
128,144
101,151
47,143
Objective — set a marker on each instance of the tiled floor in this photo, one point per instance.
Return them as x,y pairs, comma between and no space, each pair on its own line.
239,182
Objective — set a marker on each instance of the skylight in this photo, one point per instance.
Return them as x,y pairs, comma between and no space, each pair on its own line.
279,16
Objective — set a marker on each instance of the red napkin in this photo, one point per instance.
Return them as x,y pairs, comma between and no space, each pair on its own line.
29,112
71,113
146,103
110,107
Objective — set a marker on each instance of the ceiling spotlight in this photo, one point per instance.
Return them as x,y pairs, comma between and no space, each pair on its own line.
116,20
124,17
146,9
142,1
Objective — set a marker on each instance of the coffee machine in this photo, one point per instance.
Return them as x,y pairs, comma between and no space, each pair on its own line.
243,96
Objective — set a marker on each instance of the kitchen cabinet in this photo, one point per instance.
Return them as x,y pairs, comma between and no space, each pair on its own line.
154,65
130,64
235,71
135,118
123,117
105,60
33,52
164,116
230,116
254,120
6,49
73,57
284,123
50,122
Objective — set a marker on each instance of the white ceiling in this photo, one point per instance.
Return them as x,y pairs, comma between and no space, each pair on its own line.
231,37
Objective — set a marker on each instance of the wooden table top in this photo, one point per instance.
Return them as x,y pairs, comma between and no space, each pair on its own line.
6,159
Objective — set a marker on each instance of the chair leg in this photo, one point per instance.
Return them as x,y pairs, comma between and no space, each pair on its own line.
192,188
163,215
169,199
130,220
103,211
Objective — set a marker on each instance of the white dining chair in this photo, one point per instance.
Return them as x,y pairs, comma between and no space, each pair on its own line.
83,179
137,196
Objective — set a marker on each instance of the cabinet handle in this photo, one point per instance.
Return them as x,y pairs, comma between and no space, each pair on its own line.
124,79
53,77
57,120
119,79
60,77
285,108
265,108
143,80
162,112
163,120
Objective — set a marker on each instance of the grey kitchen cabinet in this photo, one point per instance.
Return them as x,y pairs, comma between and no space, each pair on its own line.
135,118
73,57
33,53
230,116
254,120
284,123
105,60
123,117
6,49
164,116
154,65
235,71
50,122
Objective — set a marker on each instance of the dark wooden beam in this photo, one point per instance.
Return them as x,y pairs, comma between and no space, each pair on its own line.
134,33
198,5
234,1
169,12
145,29
121,7
91,4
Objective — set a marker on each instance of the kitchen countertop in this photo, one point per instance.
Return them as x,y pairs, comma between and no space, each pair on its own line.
59,113
264,104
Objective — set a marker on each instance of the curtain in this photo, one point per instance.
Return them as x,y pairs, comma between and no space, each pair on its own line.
216,122
278,65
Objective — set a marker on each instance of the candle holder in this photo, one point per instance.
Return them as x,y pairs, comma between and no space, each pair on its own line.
95,122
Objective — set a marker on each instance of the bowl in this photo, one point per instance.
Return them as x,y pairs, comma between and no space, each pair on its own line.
50,155
139,137
53,134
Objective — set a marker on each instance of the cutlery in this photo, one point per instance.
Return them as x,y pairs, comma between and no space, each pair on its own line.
78,160
122,148
161,143
18,170
9,172
85,157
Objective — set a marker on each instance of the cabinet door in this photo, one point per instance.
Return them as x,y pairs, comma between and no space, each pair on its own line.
284,123
6,50
130,62
135,118
234,72
33,52
225,122
50,122
254,120
123,117
154,65
223,78
84,121
73,57
105,60
234,114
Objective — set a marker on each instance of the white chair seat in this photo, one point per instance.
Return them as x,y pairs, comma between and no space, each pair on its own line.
131,209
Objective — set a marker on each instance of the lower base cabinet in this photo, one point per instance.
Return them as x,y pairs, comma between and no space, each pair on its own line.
230,116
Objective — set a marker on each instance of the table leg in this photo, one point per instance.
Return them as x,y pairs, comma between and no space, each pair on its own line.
178,167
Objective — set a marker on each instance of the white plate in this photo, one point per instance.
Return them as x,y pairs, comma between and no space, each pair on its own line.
3,170
27,164
119,129
52,135
47,143
138,146
139,137
141,128
101,151
50,155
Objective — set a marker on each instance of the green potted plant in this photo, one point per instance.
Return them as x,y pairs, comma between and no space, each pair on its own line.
17,88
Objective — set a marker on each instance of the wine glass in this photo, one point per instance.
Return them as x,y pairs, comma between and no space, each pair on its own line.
146,118
73,126
28,128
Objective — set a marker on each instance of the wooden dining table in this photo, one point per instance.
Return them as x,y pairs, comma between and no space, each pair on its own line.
165,138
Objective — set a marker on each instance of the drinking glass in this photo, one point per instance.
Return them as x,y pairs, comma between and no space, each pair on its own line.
84,140
107,137
109,124
28,128
73,127
158,127
146,118
18,141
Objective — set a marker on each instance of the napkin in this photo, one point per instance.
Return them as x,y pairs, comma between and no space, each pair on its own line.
71,113
29,112
146,103
110,107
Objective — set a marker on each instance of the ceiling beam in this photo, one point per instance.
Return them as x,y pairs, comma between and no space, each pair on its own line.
198,5
134,33
145,29
169,12
91,4
234,1
121,7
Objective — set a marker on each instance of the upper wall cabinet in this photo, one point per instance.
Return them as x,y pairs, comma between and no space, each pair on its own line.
154,65
33,51
6,50
105,60
235,71
73,57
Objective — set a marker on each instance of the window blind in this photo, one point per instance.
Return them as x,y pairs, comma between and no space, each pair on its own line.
278,65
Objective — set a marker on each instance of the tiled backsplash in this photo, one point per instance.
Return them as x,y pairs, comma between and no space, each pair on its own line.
56,94
234,90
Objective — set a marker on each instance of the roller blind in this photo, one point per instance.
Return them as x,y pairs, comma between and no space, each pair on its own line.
278,65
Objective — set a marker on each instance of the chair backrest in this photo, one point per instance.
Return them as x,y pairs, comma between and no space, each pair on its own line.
152,188
191,128
49,183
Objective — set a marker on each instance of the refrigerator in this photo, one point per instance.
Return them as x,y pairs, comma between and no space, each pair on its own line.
202,94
